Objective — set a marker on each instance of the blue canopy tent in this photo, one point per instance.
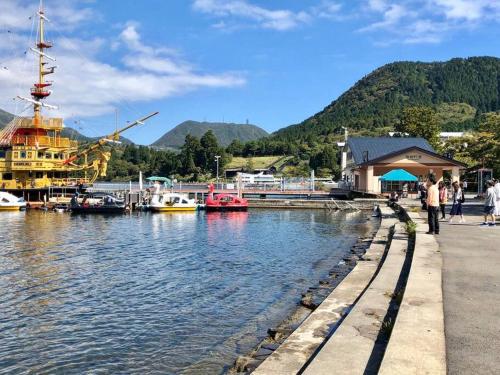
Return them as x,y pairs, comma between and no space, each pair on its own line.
396,180
398,175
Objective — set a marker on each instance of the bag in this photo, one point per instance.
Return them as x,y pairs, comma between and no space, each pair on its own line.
463,198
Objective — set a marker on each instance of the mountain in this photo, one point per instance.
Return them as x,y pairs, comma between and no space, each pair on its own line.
224,132
459,89
5,118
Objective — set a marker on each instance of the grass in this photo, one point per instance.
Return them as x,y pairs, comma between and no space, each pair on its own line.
259,162
411,227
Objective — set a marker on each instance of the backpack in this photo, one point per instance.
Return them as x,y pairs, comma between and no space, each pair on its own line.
463,197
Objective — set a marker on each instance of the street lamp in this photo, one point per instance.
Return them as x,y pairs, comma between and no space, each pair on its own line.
217,157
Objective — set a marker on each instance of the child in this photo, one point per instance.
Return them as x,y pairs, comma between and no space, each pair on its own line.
489,205
443,198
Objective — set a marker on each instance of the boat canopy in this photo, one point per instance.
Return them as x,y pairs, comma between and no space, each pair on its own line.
165,180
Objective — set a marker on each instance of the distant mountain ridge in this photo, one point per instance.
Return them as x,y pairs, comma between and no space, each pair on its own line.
5,118
224,132
459,89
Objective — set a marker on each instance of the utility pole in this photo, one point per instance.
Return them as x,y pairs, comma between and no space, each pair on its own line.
217,157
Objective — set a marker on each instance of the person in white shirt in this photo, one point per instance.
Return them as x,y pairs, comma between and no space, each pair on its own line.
497,193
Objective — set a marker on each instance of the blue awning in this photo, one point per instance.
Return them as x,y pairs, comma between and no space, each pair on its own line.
398,175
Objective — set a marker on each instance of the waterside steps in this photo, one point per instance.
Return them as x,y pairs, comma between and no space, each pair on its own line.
385,317
295,352
356,347
417,343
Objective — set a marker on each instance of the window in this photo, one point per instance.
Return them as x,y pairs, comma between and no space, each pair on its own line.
38,174
16,155
40,155
50,174
30,155
56,156
2,154
7,176
48,155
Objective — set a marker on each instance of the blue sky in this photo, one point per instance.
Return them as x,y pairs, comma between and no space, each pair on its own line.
272,62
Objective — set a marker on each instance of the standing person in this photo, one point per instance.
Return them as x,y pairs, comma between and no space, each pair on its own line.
489,205
497,193
432,205
458,199
443,198
423,196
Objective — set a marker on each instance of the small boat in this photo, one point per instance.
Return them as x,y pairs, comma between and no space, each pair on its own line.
9,202
97,203
226,202
172,202
60,208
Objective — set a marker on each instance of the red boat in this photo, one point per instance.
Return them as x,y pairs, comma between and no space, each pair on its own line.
225,202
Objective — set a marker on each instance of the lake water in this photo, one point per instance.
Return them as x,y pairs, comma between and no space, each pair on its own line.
156,293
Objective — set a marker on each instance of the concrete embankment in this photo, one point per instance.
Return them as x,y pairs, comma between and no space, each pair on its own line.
417,343
297,349
331,204
385,317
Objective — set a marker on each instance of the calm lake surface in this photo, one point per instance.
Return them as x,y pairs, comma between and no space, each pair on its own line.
156,293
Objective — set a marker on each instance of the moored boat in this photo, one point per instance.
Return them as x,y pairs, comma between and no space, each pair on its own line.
226,202
9,202
172,202
100,203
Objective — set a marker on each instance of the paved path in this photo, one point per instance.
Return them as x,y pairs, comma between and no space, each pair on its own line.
471,291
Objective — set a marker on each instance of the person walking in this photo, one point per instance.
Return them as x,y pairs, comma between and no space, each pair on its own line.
458,200
489,205
443,198
497,193
432,205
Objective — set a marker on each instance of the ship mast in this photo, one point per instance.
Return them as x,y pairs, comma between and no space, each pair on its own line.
39,91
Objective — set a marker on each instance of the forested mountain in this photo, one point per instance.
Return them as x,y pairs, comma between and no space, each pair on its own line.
459,89
5,118
224,132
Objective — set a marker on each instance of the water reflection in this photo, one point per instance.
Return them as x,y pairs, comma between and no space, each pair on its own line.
155,293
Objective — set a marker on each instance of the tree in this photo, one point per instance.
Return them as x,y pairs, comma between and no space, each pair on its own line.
209,149
235,148
420,121
189,152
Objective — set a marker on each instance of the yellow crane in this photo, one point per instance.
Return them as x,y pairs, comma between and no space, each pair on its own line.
99,163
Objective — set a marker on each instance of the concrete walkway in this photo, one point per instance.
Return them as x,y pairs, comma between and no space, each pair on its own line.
471,294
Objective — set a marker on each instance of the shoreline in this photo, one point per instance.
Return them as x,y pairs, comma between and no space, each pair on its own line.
309,301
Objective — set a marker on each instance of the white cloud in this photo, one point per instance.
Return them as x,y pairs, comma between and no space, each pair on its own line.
429,21
67,14
276,19
86,86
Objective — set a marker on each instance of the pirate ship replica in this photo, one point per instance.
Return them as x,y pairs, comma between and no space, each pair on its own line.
34,157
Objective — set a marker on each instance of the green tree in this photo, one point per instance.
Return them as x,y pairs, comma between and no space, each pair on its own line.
235,148
189,152
420,121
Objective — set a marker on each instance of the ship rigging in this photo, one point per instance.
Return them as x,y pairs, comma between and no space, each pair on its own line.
33,152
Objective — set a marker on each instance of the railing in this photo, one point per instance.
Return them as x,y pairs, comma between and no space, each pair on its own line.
44,141
47,123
